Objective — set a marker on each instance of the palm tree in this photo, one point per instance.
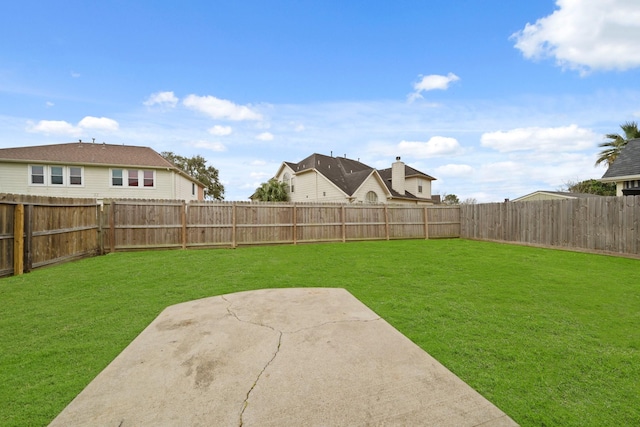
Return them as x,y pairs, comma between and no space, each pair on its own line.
272,191
616,142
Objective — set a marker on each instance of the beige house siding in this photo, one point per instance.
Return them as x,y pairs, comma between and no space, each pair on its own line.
371,184
412,184
311,187
96,183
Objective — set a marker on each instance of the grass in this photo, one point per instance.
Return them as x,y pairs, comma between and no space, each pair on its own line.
550,337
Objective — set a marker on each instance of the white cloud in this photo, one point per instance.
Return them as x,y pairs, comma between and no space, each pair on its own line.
265,136
162,98
212,146
550,140
55,127
453,170
49,104
259,175
434,147
583,35
220,108
75,75
432,82
220,130
98,123
61,127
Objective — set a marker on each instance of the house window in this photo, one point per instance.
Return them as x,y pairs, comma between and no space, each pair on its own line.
133,178
37,175
75,176
292,185
56,175
116,177
148,178
371,197
419,186
193,189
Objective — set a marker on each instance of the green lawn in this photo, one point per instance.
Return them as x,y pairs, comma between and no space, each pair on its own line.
550,337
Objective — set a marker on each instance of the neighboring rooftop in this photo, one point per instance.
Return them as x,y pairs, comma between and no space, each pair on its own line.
627,163
87,153
555,194
348,174
409,172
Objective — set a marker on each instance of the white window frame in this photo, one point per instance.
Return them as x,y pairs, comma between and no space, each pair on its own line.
111,184
140,179
44,176
61,175
47,178
69,176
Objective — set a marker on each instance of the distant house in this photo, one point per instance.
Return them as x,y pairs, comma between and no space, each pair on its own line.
552,195
101,171
625,170
321,178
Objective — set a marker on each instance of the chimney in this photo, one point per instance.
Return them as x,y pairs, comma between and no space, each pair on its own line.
397,176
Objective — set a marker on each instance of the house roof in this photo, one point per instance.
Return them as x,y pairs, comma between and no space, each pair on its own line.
348,174
409,172
87,153
627,163
557,194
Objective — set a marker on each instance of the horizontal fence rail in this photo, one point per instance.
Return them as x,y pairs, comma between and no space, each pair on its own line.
594,224
38,231
130,225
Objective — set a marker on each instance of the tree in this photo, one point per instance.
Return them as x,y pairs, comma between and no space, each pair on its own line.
591,186
469,201
450,199
196,166
272,191
616,142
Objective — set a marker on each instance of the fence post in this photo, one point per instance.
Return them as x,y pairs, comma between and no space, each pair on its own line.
234,242
28,238
426,223
99,219
112,226
184,225
344,224
295,224
386,222
18,239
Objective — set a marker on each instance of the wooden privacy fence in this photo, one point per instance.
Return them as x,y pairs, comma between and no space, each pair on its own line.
596,224
38,231
135,224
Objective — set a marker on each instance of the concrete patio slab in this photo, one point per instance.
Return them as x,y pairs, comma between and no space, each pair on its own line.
276,357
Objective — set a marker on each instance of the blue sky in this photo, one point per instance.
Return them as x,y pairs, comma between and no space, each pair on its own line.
495,99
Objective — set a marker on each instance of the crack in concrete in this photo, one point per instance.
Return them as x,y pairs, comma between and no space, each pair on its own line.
246,400
266,366
275,354
334,322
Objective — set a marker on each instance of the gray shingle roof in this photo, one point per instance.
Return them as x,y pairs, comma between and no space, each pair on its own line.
348,174
627,163
88,153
